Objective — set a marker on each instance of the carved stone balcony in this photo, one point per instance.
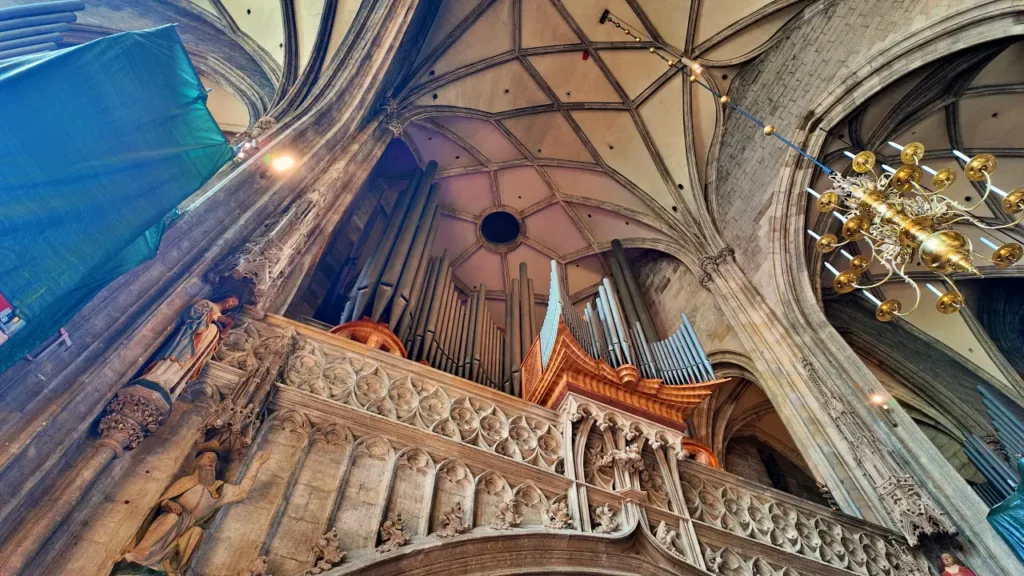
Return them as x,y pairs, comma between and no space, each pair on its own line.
407,469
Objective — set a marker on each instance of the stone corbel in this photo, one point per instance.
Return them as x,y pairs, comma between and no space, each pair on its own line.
392,119
134,414
710,263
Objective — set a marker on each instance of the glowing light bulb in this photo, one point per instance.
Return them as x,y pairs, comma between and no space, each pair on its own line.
283,163
877,399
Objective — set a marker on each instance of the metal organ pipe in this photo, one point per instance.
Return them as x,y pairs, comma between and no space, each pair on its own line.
635,295
408,317
369,279
676,360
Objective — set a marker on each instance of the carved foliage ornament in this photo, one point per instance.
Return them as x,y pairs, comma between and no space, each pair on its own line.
392,534
327,553
604,519
709,264
132,415
558,517
505,517
451,522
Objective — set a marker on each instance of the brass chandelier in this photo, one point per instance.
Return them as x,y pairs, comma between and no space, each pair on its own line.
900,219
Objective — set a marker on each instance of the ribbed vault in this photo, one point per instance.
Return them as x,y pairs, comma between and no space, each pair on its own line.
537,107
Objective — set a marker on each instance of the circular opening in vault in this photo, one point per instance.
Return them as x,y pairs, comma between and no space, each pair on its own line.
500,228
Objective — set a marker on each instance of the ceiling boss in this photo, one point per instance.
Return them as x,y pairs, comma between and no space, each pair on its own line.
900,219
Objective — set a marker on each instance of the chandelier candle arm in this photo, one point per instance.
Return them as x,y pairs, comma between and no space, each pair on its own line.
903,220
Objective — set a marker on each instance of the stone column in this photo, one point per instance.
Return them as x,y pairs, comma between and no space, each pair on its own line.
134,414
868,465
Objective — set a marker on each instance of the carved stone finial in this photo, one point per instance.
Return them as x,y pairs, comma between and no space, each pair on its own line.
558,516
505,518
910,506
327,553
133,414
392,534
604,520
451,522
259,267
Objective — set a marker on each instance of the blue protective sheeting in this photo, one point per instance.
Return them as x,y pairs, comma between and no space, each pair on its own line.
98,144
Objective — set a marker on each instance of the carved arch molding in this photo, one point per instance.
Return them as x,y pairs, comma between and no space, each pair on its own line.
539,553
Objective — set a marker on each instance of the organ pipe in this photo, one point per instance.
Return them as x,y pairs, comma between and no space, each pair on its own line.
635,295
602,331
370,275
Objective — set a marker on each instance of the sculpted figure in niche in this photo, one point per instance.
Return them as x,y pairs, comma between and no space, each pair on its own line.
168,542
195,339
951,566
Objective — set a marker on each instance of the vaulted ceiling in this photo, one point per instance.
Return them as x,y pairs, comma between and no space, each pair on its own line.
536,107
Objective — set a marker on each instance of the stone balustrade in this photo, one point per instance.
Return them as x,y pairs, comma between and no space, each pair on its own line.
375,458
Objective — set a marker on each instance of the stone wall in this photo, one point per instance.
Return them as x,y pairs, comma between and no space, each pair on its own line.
743,460
670,289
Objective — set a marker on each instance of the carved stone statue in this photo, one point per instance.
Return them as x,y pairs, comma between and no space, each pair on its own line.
392,534
451,522
951,566
195,339
506,518
558,516
604,520
171,538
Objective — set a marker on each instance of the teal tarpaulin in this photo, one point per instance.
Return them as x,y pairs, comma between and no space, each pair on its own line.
98,144
1008,517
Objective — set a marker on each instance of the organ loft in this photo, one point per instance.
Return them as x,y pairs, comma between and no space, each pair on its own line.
489,287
